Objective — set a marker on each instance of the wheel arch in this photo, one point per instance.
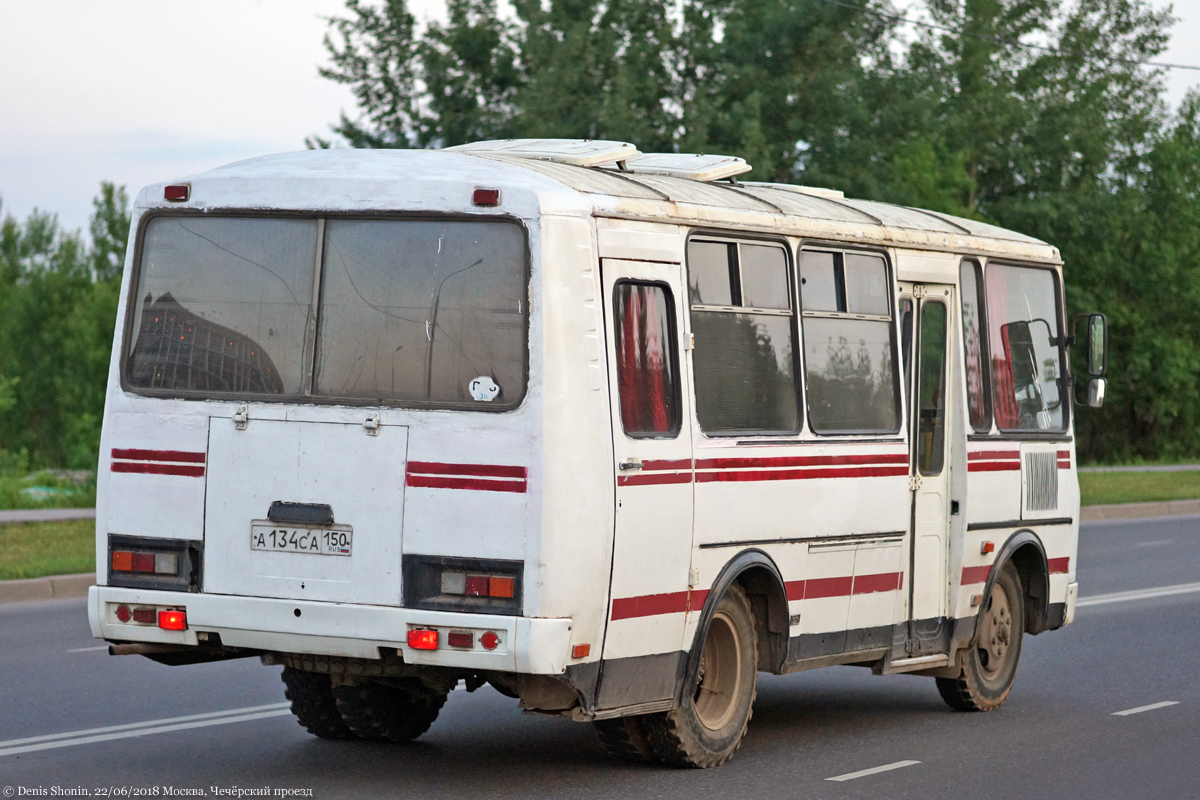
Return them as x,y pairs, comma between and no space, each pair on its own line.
1025,550
760,578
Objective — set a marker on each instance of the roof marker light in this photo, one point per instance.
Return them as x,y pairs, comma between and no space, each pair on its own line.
487,197
178,192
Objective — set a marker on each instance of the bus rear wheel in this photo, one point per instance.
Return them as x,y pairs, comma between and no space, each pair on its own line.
710,725
624,738
388,712
311,695
989,665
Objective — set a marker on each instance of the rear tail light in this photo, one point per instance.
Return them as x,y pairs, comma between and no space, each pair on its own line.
460,639
172,620
143,615
473,585
489,640
423,639
146,563
503,586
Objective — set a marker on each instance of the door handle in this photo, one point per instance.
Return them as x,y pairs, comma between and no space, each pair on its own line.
631,464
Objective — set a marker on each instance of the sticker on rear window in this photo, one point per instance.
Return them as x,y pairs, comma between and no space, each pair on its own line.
484,389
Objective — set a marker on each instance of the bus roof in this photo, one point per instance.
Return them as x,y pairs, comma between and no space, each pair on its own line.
428,180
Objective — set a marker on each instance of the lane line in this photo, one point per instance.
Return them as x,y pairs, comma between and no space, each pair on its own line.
1139,594
1140,709
108,737
862,773
88,649
1155,543
152,723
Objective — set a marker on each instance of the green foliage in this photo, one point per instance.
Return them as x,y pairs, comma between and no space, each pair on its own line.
47,548
58,301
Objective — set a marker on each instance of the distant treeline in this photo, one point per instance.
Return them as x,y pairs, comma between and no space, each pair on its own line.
1039,115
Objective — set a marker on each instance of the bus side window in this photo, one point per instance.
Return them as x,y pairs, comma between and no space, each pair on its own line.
849,346
647,372
906,339
743,321
974,347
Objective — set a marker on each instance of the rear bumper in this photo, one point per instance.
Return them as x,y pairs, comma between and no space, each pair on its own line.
527,645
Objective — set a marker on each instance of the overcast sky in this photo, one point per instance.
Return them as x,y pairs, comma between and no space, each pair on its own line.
135,91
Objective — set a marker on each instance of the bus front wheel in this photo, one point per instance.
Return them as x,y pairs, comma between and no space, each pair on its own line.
707,729
989,664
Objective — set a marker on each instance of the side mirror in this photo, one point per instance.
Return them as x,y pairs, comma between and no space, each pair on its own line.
1094,338
1095,392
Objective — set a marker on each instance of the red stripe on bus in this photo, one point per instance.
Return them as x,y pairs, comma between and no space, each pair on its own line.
801,461
652,605
979,455
482,470
975,574
654,479
816,588
794,590
159,455
473,484
801,474
150,468
652,465
995,466
1059,566
882,582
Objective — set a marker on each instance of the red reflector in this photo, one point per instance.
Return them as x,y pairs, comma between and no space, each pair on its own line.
501,587
478,585
987,547
419,639
145,615
175,620
581,651
122,561
460,639
143,562
177,193
487,197
489,640
123,613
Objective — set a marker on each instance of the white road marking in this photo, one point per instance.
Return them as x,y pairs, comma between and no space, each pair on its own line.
53,740
1140,709
88,649
1139,594
1154,543
862,773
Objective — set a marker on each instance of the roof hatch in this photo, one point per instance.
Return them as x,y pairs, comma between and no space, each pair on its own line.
576,152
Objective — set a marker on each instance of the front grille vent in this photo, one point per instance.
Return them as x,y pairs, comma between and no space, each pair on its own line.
1041,481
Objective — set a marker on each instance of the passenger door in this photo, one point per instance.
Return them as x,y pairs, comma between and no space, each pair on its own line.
928,630
652,463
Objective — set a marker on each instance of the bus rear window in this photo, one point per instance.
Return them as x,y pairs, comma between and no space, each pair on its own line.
411,312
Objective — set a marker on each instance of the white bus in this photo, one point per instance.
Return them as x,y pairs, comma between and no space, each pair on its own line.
609,431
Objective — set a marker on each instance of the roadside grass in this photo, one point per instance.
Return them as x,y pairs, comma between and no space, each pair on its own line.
35,549
1104,488
57,491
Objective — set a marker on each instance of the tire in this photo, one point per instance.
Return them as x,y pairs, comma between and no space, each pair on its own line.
624,738
989,664
387,712
708,728
311,695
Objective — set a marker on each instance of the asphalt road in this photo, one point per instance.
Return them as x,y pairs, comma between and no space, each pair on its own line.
1057,736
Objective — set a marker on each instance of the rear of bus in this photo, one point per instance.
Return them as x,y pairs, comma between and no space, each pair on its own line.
323,433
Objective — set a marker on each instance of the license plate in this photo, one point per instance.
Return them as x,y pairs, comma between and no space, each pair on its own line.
329,540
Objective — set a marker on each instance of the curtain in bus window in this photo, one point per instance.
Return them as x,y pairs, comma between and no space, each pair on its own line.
646,379
423,311
973,342
222,305
1023,330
